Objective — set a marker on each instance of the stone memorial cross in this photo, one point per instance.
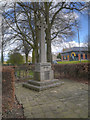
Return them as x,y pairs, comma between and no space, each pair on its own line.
43,73
42,51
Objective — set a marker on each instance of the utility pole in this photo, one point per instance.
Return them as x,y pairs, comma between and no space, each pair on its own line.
79,44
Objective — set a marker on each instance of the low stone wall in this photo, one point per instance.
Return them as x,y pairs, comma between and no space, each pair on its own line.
8,90
80,70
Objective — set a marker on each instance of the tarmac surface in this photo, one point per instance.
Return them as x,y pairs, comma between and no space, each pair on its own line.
69,100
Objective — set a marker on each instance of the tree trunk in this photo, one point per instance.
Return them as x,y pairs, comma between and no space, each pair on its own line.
2,58
36,39
49,53
36,47
2,44
48,33
33,56
26,58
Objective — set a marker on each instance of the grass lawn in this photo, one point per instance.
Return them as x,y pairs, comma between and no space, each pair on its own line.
73,62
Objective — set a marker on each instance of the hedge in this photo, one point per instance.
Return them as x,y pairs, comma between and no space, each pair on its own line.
8,89
80,70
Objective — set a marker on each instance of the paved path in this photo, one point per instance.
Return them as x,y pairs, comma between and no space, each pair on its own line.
66,101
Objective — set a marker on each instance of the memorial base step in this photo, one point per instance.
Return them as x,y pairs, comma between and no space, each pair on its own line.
39,86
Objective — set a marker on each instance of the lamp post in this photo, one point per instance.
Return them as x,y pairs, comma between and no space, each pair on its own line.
79,44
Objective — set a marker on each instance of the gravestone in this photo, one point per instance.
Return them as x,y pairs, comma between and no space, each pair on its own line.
43,74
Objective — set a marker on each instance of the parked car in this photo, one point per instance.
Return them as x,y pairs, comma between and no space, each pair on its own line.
58,60
54,62
30,63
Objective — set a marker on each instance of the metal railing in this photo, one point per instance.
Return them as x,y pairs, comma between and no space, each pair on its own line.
24,72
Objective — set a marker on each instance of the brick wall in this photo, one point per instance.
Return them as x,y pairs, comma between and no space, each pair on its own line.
88,56
79,56
62,58
68,57
83,56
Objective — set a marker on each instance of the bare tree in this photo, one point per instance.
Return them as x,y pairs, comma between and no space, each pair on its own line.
59,17
4,28
53,17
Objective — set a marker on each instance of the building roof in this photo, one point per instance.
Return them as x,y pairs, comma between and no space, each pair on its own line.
76,49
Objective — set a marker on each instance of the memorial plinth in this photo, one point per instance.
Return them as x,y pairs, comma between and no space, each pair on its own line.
43,74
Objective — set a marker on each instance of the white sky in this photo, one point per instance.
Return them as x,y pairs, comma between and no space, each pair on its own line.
55,49
67,45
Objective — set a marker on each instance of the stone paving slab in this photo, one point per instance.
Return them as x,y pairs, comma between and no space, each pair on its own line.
69,100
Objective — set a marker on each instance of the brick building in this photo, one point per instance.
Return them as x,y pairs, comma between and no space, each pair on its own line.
75,53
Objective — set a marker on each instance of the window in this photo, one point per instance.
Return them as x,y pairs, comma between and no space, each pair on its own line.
81,56
85,56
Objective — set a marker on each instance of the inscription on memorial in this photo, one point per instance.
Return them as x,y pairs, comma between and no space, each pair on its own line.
46,73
